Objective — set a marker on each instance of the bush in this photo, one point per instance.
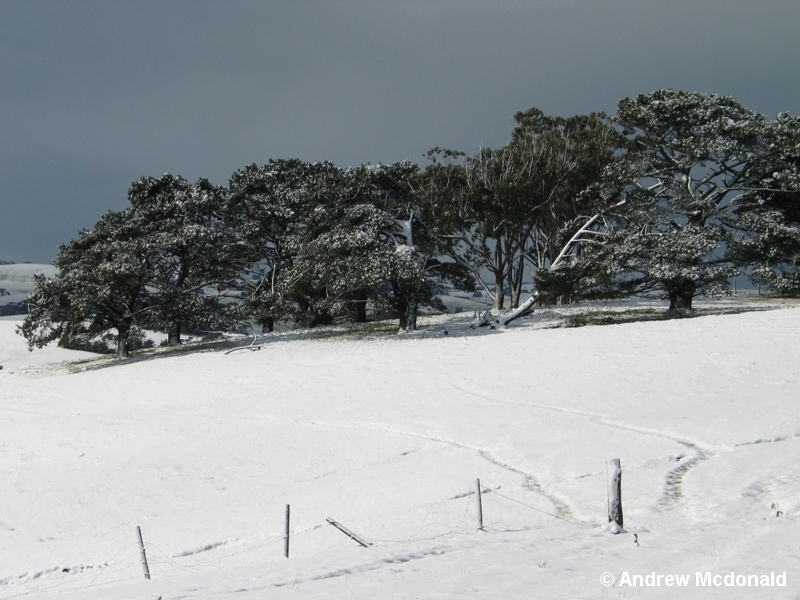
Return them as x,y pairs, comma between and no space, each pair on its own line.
107,343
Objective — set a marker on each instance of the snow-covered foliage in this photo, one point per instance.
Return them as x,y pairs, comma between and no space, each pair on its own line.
100,286
771,248
693,162
317,242
678,194
366,244
143,266
185,236
769,242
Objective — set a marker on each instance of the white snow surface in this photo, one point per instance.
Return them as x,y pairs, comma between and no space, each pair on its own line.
387,435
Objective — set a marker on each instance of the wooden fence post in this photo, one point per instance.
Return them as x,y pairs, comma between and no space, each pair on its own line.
286,535
349,533
480,504
141,552
615,494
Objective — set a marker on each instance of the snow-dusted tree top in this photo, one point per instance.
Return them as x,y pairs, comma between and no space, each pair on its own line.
692,164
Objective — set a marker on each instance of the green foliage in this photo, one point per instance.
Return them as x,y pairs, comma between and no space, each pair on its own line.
101,285
268,207
769,217
372,329
144,265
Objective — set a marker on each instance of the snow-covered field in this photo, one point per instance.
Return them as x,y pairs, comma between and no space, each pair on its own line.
387,435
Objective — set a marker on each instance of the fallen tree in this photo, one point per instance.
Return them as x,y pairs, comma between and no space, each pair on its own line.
570,249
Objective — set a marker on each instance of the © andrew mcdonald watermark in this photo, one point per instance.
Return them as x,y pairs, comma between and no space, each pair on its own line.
698,579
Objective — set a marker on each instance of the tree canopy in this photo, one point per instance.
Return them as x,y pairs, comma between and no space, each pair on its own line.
693,164
674,194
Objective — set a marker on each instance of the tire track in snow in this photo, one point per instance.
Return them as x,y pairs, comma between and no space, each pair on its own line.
673,483
673,489
531,483
370,566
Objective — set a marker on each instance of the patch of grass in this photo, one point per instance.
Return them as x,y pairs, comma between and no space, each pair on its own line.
611,317
373,329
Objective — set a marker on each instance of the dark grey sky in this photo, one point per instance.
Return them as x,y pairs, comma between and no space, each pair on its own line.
96,94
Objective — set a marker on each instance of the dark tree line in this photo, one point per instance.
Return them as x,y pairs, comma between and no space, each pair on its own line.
675,193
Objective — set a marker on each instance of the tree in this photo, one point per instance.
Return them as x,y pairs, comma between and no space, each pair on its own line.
768,240
363,243
693,158
414,260
268,207
187,248
479,204
571,154
144,266
101,286
514,209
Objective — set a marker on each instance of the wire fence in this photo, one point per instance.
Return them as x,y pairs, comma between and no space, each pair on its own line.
126,565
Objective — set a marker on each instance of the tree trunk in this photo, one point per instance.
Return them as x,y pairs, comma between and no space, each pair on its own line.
681,295
361,312
405,305
360,306
123,349
174,335
411,316
267,325
322,318
499,291
408,315
515,282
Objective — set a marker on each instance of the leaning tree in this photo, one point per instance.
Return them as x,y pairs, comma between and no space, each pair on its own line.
509,212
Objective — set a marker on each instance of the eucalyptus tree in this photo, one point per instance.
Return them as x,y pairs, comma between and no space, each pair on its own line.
477,202
570,156
510,211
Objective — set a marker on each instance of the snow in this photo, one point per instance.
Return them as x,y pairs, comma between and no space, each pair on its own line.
14,353
387,435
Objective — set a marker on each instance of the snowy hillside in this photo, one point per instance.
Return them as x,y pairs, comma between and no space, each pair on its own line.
387,435
17,280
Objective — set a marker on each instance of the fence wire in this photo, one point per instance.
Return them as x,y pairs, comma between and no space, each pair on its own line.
163,563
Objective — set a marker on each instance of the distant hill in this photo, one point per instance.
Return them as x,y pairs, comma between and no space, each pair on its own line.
17,280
